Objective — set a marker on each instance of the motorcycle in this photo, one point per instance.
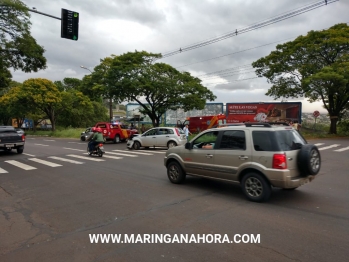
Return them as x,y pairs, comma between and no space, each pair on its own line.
99,150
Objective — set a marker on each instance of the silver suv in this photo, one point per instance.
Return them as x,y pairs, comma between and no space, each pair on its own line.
256,155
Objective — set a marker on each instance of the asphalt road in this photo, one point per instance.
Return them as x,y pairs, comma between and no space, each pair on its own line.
47,213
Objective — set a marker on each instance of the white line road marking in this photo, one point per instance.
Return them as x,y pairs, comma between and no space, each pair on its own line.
319,144
28,154
133,152
120,154
87,158
2,171
44,162
65,160
72,142
49,140
74,149
342,149
153,151
20,165
328,147
113,157
40,145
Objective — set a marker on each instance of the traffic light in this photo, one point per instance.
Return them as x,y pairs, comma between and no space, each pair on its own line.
69,24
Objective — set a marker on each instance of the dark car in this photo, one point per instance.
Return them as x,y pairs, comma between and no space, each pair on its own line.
84,135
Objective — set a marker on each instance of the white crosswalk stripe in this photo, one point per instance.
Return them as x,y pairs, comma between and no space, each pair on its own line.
40,145
121,154
342,149
44,162
28,154
319,144
328,147
65,160
74,149
153,151
133,152
87,158
2,171
113,157
20,165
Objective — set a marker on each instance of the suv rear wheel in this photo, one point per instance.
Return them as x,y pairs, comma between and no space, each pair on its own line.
175,173
116,139
255,187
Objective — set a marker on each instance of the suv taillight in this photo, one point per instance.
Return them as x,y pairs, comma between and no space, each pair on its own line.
23,138
279,161
177,132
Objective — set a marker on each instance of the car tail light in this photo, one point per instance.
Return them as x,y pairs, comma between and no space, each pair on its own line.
279,161
177,132
23,138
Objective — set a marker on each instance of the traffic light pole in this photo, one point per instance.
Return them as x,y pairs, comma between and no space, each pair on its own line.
35,11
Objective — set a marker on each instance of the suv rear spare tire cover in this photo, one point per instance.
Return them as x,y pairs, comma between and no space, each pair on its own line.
309,160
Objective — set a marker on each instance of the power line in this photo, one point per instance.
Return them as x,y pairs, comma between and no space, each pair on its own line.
243,67
215,83
227,75
255,26
235,52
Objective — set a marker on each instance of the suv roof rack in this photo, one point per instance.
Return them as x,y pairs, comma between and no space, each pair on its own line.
265,124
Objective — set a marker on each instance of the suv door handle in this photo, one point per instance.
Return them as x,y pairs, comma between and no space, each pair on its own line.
209,156
243,157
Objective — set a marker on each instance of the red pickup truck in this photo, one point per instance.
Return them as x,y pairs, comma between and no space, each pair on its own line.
115,132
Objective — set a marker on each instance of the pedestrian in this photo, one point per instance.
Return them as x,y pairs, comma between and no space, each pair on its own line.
187,132
143,128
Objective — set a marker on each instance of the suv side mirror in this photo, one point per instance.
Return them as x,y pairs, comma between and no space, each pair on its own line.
188,145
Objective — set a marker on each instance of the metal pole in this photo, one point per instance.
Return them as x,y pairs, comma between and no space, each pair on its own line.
35,11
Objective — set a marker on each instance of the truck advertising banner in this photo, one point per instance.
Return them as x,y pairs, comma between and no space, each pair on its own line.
264,112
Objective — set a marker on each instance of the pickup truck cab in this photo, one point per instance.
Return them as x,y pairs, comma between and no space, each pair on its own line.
10,139
115,132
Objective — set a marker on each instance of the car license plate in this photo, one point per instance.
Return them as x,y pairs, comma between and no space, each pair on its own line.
9,145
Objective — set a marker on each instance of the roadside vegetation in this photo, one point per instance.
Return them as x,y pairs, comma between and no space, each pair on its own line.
309,131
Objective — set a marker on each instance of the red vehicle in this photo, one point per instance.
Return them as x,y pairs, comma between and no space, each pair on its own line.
200,123
115,132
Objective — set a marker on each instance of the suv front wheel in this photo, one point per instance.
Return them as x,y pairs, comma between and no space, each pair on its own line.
175,173
255,187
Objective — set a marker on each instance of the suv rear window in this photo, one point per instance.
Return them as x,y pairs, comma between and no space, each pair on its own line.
281,140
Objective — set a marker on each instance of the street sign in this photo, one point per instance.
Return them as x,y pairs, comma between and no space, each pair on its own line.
69,24
316,114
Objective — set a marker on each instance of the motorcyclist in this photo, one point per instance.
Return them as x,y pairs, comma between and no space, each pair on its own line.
96,139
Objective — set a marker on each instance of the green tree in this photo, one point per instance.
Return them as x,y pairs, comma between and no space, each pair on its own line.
18,49
155,87
314,66
43,95
69,84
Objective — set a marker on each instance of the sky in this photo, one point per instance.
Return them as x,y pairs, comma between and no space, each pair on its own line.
109,27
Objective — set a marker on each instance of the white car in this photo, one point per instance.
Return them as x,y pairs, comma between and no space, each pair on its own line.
158,137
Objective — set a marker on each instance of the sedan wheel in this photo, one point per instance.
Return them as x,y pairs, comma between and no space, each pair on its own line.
171,144
136,145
